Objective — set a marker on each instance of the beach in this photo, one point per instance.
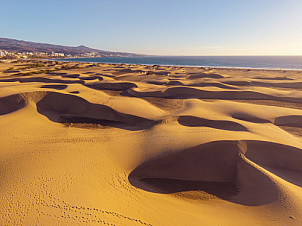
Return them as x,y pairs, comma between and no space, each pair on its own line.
119,144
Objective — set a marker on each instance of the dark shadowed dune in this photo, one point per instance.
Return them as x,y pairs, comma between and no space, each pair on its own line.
237,83
193,121
89,78
174,83
289,120
212,84
11,103
64,108
120,86
277,103
188,92
11,71
58,87
154,82
276,155
249,118
288,85
205,75
168,186
71,76
225,169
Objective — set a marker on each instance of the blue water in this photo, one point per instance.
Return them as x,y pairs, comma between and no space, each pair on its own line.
265,62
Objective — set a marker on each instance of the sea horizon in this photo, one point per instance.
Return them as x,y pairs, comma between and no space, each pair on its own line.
244,62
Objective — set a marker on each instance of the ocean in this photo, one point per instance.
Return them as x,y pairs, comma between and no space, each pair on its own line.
260,62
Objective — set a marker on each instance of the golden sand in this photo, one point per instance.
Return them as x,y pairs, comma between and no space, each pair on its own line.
87,144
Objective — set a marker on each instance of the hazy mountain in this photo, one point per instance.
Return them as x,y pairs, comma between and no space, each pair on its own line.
25,46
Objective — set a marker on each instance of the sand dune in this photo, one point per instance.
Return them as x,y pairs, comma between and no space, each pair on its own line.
290,85
290,120
205,75
65,108
218,124
188,92
249,118
10,104
59,87
117,86
217,168
89,144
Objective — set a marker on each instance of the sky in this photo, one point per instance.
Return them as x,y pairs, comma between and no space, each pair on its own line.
159,27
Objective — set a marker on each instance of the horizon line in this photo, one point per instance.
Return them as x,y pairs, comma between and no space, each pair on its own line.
161,55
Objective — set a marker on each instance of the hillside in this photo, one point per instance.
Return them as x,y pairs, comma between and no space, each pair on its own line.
13,45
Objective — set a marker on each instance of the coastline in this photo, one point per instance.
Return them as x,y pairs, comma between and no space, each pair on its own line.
178,65
187,66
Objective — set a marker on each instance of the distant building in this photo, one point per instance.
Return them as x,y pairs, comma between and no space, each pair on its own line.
4,53
57,54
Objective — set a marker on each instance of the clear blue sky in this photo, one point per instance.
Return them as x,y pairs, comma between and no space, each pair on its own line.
166,27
